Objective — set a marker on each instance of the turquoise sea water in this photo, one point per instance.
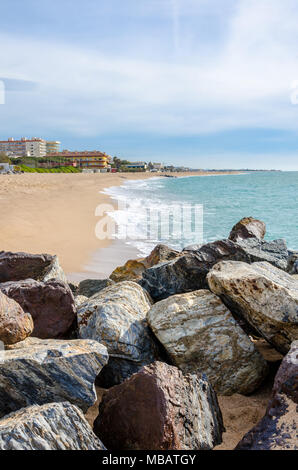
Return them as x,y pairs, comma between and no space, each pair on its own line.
269,196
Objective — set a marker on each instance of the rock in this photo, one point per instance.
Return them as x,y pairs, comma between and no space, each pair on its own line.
15,324
89,287
188,272
73,287
160,409
200,335
38,371
116,317
248,227
133,269
80,299
51,305
293,262
278,428
264,296
19,266
54,426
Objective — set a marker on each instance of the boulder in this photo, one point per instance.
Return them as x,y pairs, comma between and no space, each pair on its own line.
263,296
200,335
188,272
15,324
133,269
248,227
293,262
79,300
116,317
159,408
38,371
19,266
89,287
278,428
51,305
54,426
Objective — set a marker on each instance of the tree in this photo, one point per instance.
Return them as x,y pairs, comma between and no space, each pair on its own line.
4,158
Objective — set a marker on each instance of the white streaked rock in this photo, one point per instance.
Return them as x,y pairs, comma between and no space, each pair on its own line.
54,426
38,371
263,296
201,335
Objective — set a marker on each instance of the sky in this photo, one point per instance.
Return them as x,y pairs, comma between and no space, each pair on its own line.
199,83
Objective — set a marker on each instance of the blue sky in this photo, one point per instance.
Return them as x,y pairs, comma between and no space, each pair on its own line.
204,83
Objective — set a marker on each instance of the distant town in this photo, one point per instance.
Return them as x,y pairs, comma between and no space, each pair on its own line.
37,155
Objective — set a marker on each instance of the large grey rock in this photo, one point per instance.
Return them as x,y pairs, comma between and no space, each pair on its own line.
278,428
200,335
159,408
293,262
188,272
89,287
43,371
116,317
54,426
248,227
51,305
15,324
264,296
19,266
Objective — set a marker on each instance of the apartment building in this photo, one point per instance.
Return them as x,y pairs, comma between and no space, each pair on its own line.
24,147
137,165
85,159
52,146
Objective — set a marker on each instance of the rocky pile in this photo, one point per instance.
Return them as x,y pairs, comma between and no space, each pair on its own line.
166,344
134,268
116,317
51,305
15,324
38,371
159,408
54,426
265,297
278,429
20,266
188,272
201,335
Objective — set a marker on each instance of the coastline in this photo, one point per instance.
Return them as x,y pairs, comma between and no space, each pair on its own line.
55,214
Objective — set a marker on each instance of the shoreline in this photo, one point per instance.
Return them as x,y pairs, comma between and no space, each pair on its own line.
55,214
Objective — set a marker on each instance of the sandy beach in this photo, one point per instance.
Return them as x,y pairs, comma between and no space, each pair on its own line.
55,214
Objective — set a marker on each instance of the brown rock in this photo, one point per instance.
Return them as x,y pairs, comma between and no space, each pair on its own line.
248,227
51,305
159,408
19,266
133,269
15,324
278,428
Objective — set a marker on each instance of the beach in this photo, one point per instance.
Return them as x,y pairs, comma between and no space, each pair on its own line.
55,213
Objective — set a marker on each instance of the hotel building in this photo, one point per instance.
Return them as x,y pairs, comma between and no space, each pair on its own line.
89,160
52,147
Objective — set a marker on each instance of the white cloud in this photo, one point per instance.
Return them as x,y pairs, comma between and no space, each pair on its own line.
245,83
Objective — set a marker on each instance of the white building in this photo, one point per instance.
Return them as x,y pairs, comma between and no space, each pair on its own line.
24,147
137,165
158,166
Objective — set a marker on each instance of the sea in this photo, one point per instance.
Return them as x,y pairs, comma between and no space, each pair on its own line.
209,205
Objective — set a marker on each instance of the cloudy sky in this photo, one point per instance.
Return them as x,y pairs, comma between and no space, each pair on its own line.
204,83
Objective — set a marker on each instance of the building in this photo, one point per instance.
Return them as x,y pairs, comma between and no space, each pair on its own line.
158,166
85,160
52,147
24,147
137,165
